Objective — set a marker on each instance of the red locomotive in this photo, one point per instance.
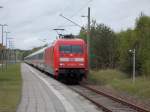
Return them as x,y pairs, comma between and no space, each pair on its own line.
65,58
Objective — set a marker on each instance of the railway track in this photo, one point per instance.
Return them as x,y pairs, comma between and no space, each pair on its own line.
106,101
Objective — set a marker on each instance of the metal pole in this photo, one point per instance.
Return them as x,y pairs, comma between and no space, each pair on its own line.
2,25
6,49
15,56
133,65
88,37
2,34
1,56
6,38
2,50
9,52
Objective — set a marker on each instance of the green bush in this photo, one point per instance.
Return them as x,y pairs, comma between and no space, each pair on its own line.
120,82
105,76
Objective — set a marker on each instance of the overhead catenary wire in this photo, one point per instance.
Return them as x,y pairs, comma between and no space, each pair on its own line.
79,10
83,7
71,21
67,25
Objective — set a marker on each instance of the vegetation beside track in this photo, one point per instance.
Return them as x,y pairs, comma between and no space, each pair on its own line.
10,88
120,81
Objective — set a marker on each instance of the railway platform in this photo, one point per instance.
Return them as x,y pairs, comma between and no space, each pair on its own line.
41,93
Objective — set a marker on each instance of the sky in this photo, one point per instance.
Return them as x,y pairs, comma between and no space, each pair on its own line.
31,22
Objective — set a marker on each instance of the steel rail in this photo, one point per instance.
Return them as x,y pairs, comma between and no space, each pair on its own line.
97,104
131,105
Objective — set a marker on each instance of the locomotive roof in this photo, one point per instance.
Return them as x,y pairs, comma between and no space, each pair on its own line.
56,41
69,40
75,39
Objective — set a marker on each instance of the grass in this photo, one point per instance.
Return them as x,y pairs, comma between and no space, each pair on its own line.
104,77
121,82
10,88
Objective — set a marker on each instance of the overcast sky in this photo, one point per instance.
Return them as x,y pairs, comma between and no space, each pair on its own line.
30,21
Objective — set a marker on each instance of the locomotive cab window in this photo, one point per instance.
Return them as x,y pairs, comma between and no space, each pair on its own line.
71,49
65,49
77,49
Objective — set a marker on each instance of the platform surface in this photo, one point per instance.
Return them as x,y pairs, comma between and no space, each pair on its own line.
41,93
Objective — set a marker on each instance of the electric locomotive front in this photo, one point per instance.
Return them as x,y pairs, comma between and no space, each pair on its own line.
72,58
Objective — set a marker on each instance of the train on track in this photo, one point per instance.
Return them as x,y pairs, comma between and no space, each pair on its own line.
66,58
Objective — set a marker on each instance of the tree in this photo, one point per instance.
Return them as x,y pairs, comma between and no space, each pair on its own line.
143,32
102,45
138,38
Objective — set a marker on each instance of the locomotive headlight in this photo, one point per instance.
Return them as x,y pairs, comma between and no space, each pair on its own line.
81,64
79,59
71,59
61,64
64,59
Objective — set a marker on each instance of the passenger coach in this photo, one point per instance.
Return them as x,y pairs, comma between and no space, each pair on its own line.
65,58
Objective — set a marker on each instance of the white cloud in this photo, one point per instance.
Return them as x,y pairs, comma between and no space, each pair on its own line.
30,20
